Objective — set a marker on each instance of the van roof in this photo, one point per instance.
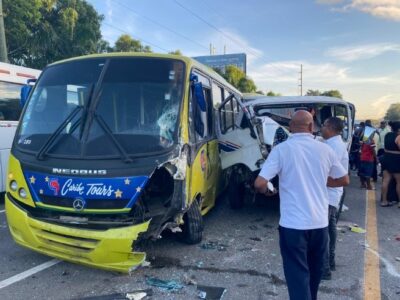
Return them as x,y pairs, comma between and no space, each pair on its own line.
261,100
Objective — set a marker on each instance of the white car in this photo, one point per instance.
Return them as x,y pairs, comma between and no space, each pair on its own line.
250,127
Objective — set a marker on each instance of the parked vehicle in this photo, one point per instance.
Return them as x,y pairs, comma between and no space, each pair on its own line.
258,124
113,149
12,78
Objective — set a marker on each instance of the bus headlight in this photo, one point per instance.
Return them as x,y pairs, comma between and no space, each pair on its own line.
22,193
13,185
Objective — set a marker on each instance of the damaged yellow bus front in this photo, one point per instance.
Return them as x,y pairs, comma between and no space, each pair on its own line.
112,149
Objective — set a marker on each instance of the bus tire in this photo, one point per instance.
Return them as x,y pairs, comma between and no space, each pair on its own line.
236,193
192,229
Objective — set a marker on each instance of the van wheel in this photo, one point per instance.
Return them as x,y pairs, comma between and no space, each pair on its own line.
192,229
236,193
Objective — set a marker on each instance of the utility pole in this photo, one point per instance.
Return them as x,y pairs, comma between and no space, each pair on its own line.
3,46
301,80
211,47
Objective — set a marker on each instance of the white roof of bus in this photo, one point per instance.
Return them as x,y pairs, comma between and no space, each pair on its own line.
17,74
265,100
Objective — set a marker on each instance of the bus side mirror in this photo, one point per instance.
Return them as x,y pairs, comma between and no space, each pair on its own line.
25,90
199,95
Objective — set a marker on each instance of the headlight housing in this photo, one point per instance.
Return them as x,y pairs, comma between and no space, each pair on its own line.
13,185
22,193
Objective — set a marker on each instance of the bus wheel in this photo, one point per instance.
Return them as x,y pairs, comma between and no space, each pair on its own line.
192,229
236,194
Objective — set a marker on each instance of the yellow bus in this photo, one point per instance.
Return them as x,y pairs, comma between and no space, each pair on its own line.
112,149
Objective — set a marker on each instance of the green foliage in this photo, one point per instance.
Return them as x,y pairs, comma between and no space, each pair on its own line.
331,93
238,79
272,94
313,93
176,52
126,43
393,112
39,32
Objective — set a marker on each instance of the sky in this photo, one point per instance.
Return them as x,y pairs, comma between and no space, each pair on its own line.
349,45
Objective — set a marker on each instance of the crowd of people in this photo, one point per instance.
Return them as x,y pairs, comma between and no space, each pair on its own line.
378,147
311,179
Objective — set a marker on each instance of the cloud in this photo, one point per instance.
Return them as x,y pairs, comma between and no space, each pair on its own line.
362,52
381,105
385,9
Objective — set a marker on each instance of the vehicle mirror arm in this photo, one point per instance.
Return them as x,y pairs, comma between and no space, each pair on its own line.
50,141
107,130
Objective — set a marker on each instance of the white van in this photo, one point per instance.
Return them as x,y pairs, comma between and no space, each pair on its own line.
12,78
250,127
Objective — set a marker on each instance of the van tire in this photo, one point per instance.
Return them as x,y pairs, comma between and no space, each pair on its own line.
236,192
192,228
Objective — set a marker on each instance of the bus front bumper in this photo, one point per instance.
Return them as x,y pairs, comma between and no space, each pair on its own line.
106,249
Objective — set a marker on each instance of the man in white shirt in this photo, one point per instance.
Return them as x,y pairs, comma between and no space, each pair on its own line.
305,166
331,132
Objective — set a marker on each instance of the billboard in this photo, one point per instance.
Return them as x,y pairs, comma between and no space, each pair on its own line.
221,61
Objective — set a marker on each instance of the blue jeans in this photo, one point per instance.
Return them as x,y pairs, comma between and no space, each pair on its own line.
303,253
329,261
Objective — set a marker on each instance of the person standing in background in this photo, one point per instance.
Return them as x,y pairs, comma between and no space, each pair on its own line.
331,132
305,166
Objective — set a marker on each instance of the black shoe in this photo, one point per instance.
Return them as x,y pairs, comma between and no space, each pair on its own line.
333,267
326,276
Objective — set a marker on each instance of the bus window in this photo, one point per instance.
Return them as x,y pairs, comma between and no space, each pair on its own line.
10,109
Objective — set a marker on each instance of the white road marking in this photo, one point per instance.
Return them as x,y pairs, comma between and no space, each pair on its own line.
390,268
28,273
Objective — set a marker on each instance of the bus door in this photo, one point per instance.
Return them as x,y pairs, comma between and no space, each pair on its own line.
206,164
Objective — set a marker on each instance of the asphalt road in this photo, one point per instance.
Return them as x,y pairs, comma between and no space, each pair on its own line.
244,258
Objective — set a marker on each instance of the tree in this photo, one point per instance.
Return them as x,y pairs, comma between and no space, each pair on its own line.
332,93
126,43
238,79
393,112
176,52
272,94
43,31
246,85
313,93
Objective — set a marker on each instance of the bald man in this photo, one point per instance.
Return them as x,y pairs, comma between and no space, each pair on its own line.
305,167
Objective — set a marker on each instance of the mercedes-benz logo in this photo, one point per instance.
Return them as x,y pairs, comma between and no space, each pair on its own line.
78,204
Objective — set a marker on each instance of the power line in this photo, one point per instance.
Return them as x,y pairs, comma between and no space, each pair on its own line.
140,39
226,35
161,25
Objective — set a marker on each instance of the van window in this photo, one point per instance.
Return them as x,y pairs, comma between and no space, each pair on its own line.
10,108
229,113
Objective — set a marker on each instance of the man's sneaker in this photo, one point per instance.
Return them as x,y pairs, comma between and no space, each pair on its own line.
326,276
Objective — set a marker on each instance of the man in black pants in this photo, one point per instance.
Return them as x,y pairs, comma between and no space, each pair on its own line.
304,166
331,132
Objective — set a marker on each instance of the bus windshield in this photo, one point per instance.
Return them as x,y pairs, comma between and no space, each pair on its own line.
102,107
10,108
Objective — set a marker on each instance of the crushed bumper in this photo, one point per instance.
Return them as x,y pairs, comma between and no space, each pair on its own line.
106,249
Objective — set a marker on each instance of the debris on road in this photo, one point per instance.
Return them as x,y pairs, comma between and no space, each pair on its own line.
134,295
253,227
210,292
169,285
398,258
398,237
357,229
140,294
213,245
257,239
